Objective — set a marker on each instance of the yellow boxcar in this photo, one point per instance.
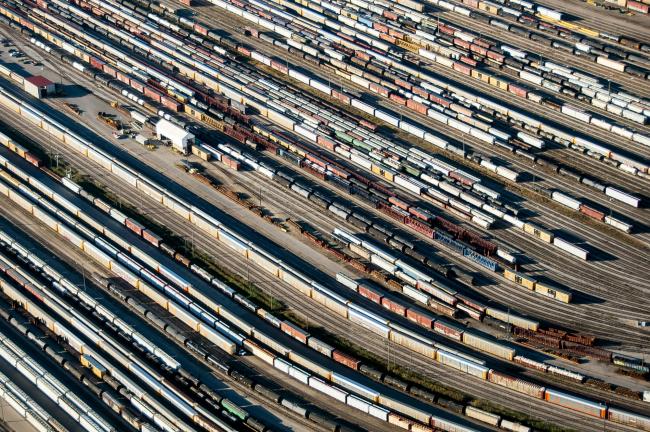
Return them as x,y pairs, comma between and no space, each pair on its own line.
520,279
563,296
197,150
407,45
556,293
196,113
343,74
212,121
483,76
588,32
92,364
538,232
499,82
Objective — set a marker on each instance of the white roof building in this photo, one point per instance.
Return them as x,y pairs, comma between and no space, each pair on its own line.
180,138
39,86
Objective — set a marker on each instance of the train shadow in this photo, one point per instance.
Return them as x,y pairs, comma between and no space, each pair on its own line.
526,177
219,32
582,298
595,254
523,260
639,228
187,13
17,68
577,297
598,255
481,280
527,213
500,161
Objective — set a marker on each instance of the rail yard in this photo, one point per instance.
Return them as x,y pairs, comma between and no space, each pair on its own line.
314,215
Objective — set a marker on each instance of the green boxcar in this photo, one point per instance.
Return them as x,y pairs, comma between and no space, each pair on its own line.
234,409
344,137
361,145
412,170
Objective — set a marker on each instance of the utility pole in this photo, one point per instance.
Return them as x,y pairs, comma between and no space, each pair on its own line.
388,354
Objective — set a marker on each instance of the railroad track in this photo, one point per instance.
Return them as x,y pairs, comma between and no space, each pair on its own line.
81,262
314,314
227,257
471,83
331,322
533,306
587,164
252,401
626,81
556,179
602,23
355,333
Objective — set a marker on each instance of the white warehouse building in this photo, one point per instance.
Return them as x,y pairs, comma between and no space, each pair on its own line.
180,138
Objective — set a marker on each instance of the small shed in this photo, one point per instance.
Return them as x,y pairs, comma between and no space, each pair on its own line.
39,86
180,138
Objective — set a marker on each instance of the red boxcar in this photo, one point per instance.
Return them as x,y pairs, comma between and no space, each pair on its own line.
464,69
295,332
134,226
345,359
420,317
393,306
593,213
370,294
